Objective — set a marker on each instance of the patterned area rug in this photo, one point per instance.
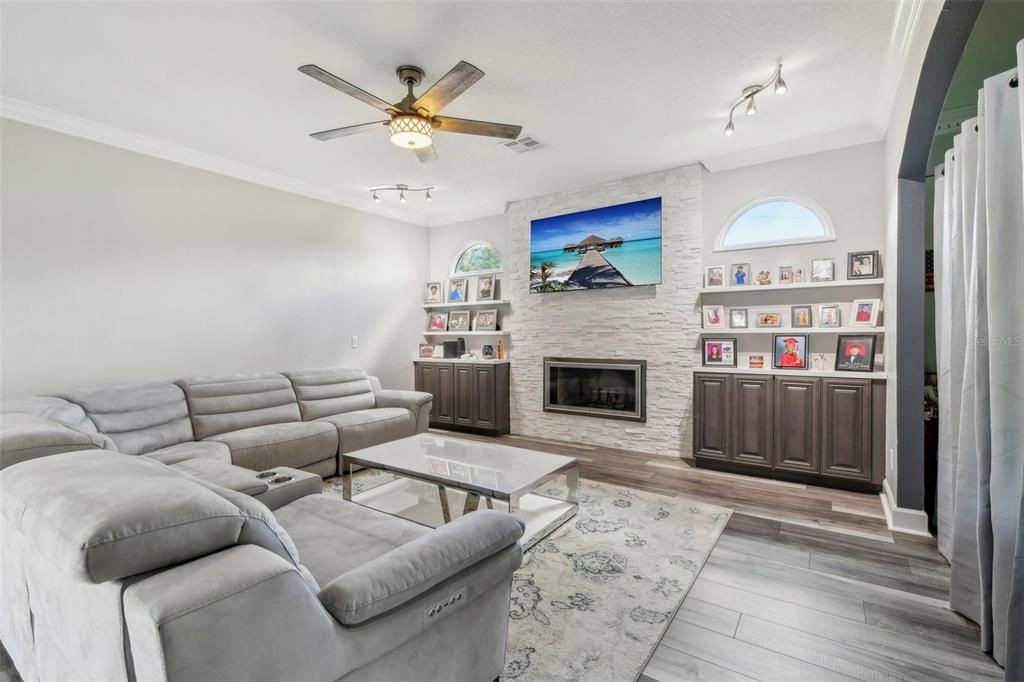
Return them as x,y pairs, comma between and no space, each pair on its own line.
592,600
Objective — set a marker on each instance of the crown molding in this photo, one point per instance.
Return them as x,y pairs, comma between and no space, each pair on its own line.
32,114
833,139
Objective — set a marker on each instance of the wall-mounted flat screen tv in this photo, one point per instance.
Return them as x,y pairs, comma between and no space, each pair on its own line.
603,248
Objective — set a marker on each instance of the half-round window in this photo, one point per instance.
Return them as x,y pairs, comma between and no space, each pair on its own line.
478,258
776,220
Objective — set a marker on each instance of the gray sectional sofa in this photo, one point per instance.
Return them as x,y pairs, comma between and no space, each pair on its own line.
118,567
301,419
139,541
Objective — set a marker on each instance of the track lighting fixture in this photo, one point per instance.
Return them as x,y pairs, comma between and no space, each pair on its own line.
750,92
401,189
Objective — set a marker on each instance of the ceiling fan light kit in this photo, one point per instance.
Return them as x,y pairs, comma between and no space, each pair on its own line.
414,120
411,132
750,92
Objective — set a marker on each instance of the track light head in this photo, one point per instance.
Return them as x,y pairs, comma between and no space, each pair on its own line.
401,196
376,199
429,198
751,107
729,128
780,84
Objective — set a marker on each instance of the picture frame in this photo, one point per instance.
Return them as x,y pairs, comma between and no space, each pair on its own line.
487,320
433,292
863,265
714,276
823,270
768,318
719,352
798,276
487,351
755,361
789,351
457,290
713,317
426,350
764,278
864,312
485,288
855,353
439,350
829,315
739,274
738,318
801,317
785,274
458,321
437,322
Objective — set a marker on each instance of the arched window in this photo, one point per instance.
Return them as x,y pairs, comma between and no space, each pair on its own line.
477,258
775,220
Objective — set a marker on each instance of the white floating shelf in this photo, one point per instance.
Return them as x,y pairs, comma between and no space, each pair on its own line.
473,361
498,333
796,285
791,330
469,304
792,372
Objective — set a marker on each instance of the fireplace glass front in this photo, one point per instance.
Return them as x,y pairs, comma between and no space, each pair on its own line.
598,388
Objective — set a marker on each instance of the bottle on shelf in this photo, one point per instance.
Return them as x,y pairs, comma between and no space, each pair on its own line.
501,350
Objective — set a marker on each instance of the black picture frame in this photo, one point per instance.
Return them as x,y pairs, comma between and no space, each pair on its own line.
876,268
844,363
802,341
722,340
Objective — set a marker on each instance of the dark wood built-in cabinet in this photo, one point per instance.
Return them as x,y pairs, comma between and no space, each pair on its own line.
819,430
467,396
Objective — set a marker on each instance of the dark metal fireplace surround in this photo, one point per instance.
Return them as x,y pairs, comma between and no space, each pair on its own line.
612,389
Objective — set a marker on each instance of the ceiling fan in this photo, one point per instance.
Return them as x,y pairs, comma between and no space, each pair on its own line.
413,120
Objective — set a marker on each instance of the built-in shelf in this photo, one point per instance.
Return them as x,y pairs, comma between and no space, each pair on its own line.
464,304
793,330
471,361
497,333
750,288
793,372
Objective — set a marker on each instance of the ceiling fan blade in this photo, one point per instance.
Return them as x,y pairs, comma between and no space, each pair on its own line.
446,124
451,85
314,71
325,135
426,154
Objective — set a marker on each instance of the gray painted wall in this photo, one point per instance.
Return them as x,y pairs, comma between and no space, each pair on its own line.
118,267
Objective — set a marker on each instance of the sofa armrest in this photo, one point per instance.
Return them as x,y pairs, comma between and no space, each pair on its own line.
417,402
27,436
407,572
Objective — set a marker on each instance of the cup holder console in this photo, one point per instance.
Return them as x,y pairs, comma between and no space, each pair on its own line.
281,479
266,474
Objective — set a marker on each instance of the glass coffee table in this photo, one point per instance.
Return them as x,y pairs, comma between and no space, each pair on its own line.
468,471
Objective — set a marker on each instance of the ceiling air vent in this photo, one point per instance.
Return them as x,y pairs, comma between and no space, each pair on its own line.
524,144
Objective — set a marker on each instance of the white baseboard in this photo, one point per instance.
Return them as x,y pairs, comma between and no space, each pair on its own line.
912,521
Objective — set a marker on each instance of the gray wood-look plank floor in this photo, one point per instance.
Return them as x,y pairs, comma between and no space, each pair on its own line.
806,583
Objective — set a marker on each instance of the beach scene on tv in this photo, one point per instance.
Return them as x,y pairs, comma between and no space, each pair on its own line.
603,248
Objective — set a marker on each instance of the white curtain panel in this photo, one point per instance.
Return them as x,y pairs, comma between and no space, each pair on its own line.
946,475
979,251
1004,199
965,589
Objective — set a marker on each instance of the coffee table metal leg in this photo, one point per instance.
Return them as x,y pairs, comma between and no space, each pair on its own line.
472,503
490,502
346,483
572,479
443,495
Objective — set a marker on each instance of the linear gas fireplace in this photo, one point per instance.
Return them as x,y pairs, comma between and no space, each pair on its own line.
614,389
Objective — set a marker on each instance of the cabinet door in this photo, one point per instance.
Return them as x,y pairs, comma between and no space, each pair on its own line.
752,420
426,381
444,396
485,392
795,432
465,396
846,429
711,416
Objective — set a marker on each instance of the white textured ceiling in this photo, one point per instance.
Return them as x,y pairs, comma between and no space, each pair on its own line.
613,88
